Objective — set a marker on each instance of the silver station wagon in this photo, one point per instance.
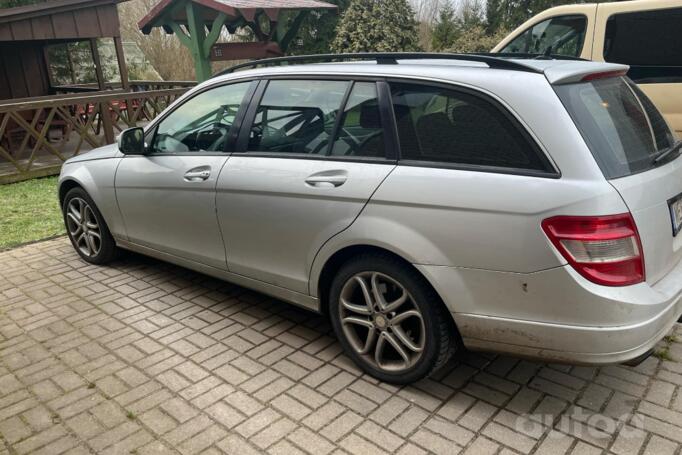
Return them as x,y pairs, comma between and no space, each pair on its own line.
427,203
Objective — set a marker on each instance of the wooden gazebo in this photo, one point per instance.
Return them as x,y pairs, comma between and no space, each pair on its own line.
263,17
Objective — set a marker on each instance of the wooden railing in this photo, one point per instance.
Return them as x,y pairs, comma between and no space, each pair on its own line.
38,134
135,86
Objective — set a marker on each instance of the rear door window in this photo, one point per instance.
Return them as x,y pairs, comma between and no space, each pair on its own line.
622,127
649,41
297,117
320,119
561,35
440,125
360,132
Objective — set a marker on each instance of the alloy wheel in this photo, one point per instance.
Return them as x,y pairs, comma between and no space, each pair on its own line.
83,227
381,321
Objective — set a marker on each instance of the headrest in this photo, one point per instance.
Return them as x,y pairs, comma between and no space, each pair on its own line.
369,115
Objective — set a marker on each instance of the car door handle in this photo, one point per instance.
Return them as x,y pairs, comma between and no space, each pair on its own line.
326,181
197,175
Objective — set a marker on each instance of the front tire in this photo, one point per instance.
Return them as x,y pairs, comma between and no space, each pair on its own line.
389,320
87,229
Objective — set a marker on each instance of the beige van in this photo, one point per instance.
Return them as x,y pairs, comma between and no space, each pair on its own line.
645,34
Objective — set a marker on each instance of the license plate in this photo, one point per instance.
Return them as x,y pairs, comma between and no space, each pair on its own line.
675,205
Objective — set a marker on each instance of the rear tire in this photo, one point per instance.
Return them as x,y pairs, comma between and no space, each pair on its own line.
87,230
389,320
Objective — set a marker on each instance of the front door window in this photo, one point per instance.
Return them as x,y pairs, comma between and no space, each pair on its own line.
202,123
562,35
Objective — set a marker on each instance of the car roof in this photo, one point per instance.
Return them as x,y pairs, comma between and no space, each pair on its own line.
554,70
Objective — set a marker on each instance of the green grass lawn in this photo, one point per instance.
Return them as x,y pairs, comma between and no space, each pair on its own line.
29,211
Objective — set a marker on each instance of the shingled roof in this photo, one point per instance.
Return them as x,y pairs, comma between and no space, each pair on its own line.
60,19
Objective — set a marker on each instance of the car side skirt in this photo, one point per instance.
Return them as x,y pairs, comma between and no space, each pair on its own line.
296,298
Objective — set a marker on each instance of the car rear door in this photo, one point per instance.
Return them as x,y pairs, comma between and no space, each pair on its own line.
646,36
310,154
167,196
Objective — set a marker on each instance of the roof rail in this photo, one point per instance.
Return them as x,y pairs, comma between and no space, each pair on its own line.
529,56
384,58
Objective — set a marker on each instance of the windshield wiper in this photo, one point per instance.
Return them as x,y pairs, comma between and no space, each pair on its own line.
663,154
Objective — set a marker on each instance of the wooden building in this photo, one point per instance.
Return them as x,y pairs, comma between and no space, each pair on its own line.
27,31
47,117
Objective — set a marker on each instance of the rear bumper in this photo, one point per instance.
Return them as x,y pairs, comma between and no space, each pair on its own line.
556,315
565,343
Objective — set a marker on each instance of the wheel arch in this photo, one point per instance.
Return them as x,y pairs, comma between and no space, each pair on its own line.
65,186
336,260
445,328
96,178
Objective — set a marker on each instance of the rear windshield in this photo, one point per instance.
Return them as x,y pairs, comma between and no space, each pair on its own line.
622,127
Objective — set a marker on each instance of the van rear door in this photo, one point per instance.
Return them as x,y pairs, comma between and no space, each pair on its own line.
647,37
628,138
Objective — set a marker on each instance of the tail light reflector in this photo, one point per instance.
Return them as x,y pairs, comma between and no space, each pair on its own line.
606,250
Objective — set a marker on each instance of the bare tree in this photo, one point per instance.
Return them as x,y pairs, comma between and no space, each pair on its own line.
167,55
467,12
427,10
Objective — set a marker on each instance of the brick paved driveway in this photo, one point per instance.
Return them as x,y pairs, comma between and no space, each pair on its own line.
144,357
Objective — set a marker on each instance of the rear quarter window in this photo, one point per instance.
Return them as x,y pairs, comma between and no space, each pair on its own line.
447,126
620,125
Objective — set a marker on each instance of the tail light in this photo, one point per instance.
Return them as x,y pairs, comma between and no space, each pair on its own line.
604,75
604,249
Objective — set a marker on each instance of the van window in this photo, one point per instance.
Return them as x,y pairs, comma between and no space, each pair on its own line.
447,126
561,35
297,116
621,126
649,41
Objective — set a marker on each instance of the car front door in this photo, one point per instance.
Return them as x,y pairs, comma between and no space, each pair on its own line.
567,33
167,196
310,155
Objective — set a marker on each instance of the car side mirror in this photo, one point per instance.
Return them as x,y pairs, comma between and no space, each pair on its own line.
131,141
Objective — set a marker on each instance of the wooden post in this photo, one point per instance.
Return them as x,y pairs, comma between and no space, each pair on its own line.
105,115
46,62
122,68
198,42
69,61
104,112
98,63
197,37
